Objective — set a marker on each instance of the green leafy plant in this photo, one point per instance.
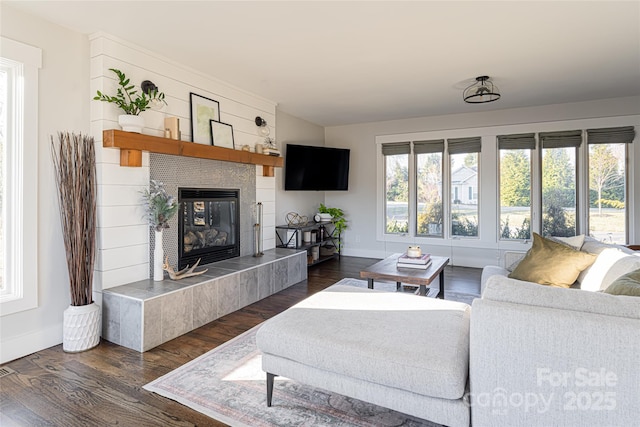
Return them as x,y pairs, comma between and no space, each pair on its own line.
160,206
128,99
338,219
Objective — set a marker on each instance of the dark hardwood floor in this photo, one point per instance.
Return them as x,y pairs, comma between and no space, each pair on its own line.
103,386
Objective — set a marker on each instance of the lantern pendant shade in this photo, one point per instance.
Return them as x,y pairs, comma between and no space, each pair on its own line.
483,90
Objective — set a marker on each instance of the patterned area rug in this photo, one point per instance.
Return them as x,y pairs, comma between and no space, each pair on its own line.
228,384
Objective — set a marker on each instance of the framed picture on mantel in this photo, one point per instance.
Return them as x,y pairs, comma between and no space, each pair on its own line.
221,134
203,110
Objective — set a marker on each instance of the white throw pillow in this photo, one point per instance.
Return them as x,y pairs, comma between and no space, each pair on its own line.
575,242
592,278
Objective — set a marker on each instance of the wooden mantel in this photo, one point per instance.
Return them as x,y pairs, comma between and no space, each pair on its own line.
132,145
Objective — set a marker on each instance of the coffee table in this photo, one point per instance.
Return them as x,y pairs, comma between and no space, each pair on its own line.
387,270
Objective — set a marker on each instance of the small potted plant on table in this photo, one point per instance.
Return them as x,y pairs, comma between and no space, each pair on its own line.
338,219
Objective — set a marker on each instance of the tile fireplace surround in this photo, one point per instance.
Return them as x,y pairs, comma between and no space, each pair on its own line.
145,314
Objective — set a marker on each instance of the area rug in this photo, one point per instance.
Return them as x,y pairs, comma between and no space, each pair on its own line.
228,384
391,287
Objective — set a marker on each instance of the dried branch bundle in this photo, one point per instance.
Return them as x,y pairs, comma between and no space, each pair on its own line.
74,162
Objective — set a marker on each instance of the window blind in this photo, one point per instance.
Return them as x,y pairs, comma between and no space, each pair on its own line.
519,141
620,135
571,138
395,148
425,147
464,145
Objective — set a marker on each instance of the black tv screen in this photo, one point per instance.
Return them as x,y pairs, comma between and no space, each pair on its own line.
316,168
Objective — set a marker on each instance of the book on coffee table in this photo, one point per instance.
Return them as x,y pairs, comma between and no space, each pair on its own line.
416,266
405,259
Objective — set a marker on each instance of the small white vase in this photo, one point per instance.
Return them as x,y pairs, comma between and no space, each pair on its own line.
158,255
131,123
81,328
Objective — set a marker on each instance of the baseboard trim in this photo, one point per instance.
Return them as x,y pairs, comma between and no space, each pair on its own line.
23,345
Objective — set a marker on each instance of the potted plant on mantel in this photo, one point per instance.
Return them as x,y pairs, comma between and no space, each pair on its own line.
129,100
338,219
160,208
75,170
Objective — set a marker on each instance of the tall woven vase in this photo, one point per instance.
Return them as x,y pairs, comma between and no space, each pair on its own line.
158,255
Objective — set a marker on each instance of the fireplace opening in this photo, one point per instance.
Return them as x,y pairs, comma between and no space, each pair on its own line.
208,225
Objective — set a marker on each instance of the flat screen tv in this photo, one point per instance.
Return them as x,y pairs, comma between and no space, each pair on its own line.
316,168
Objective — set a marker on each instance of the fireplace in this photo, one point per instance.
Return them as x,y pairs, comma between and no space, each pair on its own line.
208,225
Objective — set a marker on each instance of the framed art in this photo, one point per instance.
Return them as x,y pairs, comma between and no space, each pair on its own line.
221,134
202,111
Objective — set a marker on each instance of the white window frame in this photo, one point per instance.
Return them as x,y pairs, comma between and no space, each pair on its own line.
20,291
489,202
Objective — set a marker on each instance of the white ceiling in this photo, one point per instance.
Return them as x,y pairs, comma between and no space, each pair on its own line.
335,63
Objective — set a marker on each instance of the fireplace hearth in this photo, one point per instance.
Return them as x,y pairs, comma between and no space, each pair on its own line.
208,225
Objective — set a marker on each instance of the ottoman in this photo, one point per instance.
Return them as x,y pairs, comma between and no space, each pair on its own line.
399,351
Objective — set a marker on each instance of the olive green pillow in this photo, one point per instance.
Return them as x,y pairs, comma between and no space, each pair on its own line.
629,284
551,263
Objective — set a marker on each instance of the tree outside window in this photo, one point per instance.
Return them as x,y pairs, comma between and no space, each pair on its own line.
428,158
559,192
607,198
559,182
515,194
396,193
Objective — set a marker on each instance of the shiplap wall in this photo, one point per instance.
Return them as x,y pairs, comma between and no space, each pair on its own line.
123,234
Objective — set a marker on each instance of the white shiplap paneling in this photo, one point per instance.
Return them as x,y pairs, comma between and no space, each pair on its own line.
123,250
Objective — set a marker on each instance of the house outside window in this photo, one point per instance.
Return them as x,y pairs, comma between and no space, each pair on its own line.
515,185
464,168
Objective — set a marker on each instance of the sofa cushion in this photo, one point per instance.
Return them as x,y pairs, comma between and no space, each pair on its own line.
628,284
500,288
551,263
403,341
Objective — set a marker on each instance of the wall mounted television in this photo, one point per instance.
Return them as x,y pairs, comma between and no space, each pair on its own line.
316,168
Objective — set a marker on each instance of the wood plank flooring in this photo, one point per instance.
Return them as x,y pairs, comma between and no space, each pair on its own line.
103,386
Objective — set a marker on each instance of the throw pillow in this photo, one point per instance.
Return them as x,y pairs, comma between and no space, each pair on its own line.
551,263
575,242
628,284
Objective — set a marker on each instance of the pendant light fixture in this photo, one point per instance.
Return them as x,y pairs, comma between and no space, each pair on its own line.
483,90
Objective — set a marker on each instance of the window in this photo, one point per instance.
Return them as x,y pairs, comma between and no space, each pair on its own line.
559,180
463,158
428,157
396,166
515,185
3,143
607,183
18,231
555,183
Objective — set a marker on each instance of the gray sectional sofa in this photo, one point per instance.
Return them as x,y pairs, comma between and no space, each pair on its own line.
541,355
536,355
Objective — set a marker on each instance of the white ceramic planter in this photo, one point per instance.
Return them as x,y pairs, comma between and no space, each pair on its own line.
131,123
158,255
81,328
